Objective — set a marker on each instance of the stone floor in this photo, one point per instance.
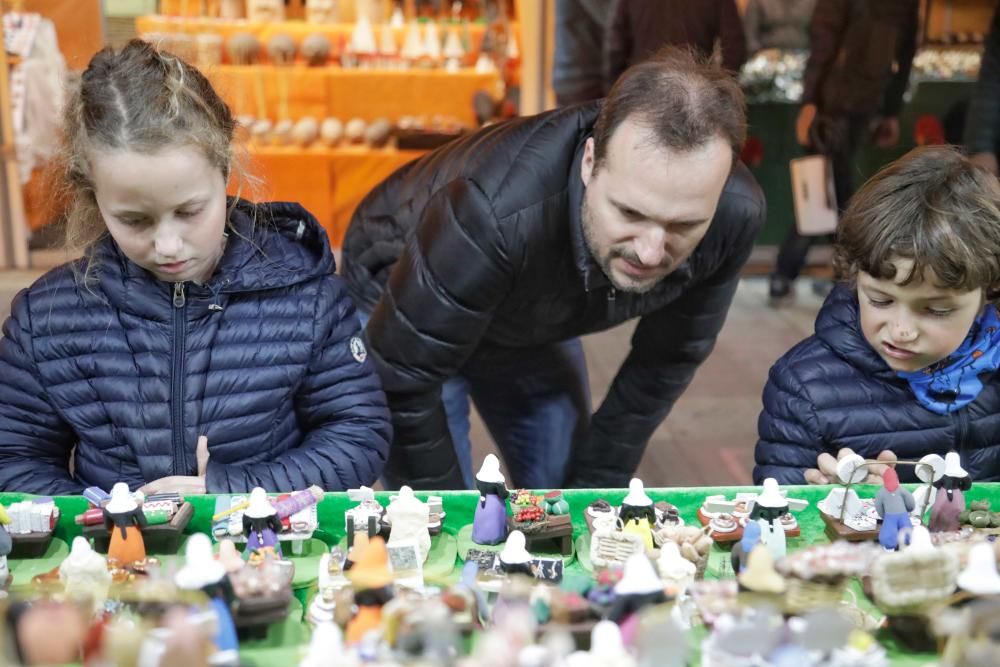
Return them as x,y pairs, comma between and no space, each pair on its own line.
710,434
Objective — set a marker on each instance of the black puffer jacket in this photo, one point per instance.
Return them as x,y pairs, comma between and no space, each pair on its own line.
832,390
480,246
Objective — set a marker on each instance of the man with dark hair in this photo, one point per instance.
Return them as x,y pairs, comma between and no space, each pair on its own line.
481,263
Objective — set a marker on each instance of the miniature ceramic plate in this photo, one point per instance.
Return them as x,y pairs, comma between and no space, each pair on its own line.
24,570
465,543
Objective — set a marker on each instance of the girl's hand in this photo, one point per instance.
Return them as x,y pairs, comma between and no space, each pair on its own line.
183,484
826,468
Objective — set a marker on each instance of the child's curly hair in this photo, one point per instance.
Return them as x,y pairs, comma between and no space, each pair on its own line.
932,206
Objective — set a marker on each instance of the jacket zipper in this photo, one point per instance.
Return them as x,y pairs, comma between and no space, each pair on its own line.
611,303
179,465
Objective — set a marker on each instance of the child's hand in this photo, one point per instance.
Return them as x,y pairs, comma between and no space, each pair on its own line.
826,470
184,484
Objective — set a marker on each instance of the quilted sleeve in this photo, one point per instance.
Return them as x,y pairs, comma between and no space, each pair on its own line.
340,406
35,442
789,437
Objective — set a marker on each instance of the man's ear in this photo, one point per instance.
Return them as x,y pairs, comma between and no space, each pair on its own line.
587,164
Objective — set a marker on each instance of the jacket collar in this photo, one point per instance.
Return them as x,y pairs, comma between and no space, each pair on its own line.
838,325
270,246
591,272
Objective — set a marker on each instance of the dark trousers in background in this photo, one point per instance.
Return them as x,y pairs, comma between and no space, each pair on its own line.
838,138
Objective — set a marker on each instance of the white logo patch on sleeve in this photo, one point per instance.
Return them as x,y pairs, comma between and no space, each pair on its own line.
358,350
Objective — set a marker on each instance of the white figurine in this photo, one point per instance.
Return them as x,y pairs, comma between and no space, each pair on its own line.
85,573
768,508
409,518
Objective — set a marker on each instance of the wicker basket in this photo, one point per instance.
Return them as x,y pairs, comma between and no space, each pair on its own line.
660,537
906,583
610,546
805,595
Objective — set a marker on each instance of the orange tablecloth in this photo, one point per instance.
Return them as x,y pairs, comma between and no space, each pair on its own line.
329,182
349,93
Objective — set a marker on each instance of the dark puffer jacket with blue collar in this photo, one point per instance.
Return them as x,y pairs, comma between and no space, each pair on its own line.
125,373
833,390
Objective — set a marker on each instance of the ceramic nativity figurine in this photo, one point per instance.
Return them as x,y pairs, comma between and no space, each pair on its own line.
409,518
893,504
261,524
203,572
980,575
490,523
125,519
84,573
372,583
637,514
741,550
949,501
639,587
514,558
768,508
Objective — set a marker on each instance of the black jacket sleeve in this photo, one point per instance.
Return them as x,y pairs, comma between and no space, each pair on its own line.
983,118
439,300
826,30
667,348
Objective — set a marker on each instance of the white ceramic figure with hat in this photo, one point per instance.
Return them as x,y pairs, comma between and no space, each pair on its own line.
326,647
84,573
639,586
607,648
637,513
489,526
202,572
125,519
409,518
843,500
675,570
768,508
949,502
261,524
514,557
980,574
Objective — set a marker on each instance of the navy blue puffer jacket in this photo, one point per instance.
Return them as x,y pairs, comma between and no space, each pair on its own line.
833,390
264,359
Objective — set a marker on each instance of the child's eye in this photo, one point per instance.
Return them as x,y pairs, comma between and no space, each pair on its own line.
940,312
879,303
187,214
132,222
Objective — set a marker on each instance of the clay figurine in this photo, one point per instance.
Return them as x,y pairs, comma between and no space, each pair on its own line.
514,558
326,647
125,519
980,575
84,573
741,550
261,524
893,504
490,523
637,514
768,508
638,587
409,518
949,502
230,556
759,575
676,571
372,583
201,571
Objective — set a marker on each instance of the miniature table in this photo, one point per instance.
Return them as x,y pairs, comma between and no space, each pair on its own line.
283,643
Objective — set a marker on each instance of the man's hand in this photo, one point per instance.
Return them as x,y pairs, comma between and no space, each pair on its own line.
987,161
887,132
807,115
826,468
184,484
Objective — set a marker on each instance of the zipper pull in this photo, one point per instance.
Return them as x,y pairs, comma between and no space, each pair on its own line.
179,299
611,302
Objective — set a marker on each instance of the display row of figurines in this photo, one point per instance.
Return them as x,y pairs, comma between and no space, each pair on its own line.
422,48
335,11
332,132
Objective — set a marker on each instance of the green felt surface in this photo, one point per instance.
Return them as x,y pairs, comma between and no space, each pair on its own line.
24,570
282,645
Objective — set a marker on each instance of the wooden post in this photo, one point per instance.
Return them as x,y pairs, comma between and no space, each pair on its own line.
13,224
